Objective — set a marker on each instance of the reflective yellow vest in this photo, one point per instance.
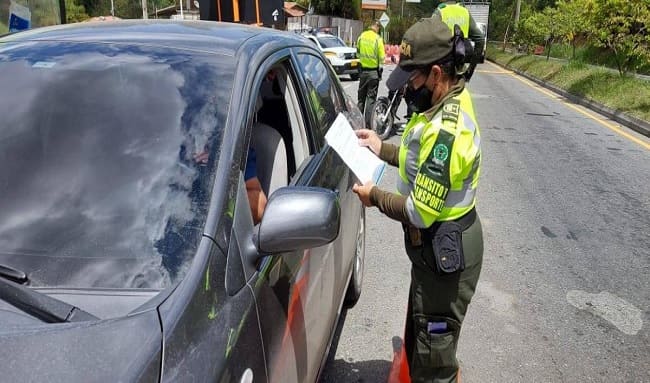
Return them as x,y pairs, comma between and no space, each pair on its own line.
370,49
439,163
453,14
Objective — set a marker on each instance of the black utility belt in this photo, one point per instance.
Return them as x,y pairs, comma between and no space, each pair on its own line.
369,69
464,222
446,239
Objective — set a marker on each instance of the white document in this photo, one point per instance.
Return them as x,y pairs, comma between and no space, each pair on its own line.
363,163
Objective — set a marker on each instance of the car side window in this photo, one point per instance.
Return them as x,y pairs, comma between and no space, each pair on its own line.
322,95
279,135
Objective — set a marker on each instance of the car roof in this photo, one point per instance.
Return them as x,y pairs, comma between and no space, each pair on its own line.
206,36
317,34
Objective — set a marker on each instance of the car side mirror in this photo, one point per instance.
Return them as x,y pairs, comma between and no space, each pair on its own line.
297,218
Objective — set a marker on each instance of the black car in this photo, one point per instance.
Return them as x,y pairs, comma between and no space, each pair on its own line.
127,246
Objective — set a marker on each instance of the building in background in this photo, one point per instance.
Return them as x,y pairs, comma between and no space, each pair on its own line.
268,13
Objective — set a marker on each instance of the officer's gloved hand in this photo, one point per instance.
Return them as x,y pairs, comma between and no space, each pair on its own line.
380,71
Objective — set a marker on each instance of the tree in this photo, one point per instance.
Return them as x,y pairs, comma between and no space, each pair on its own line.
351,9
128,9
572,20
74,13
96,7
531,31
623,27
552,25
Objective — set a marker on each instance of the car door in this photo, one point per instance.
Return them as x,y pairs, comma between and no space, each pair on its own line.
326,101
299,294
288,286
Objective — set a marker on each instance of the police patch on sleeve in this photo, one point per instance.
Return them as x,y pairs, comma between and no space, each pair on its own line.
432,182
451,110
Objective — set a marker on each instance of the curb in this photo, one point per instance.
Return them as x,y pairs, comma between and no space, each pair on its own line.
636,124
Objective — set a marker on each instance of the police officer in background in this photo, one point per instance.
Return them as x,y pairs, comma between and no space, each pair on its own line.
453,13
370,51
439,164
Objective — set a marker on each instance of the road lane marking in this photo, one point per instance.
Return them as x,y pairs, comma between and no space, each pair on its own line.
581,110
494,71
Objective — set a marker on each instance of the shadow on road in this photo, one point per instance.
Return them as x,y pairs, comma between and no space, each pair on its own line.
341,370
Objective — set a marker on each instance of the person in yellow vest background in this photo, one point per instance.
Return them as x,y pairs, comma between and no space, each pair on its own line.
453,13
439,162
370,51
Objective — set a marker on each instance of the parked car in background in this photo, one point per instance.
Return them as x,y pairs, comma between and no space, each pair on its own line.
342,57
127,246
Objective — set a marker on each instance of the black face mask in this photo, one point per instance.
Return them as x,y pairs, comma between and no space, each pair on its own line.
418,100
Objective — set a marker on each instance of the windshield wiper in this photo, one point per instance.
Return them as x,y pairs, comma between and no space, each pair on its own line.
39,305
15,275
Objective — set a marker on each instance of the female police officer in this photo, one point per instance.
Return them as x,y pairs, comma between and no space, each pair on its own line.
439,163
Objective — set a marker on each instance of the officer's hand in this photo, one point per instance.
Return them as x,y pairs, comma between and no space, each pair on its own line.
363,191
380,71
369,139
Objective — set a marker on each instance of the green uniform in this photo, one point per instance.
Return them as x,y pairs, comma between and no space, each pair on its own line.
439,162
449,134
370,51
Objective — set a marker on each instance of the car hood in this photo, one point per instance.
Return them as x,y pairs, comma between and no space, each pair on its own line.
340,50
120,349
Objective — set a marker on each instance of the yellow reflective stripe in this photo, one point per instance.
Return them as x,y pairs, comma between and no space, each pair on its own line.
461,198
410,145
414,214
403,188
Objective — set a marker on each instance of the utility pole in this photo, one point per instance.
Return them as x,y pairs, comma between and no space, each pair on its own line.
517,12
145,14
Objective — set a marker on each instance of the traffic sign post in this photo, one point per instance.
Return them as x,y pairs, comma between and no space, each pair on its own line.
384,20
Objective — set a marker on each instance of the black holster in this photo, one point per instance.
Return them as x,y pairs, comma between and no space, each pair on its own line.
447,244
446,240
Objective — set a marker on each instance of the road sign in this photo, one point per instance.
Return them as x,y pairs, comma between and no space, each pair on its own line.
374,4
384,19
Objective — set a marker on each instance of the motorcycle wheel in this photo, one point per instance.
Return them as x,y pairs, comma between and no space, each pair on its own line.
381,118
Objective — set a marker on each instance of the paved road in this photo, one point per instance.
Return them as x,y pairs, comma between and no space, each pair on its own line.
564,295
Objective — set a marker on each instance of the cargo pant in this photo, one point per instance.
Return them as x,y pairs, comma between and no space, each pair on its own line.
368,86
439,298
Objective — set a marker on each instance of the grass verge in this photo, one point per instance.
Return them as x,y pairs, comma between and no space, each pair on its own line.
627,94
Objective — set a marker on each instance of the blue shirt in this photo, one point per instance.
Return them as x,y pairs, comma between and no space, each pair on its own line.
251,165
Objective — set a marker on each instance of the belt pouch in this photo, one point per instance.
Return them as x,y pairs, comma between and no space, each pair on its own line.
447,245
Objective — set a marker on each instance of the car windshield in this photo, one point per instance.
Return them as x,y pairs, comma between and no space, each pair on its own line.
330,41
107,157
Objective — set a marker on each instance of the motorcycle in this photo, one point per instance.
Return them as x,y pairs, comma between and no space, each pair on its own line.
382,115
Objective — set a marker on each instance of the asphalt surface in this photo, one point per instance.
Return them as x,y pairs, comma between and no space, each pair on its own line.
564,294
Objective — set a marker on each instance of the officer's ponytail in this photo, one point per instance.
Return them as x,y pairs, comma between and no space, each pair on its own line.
462,52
